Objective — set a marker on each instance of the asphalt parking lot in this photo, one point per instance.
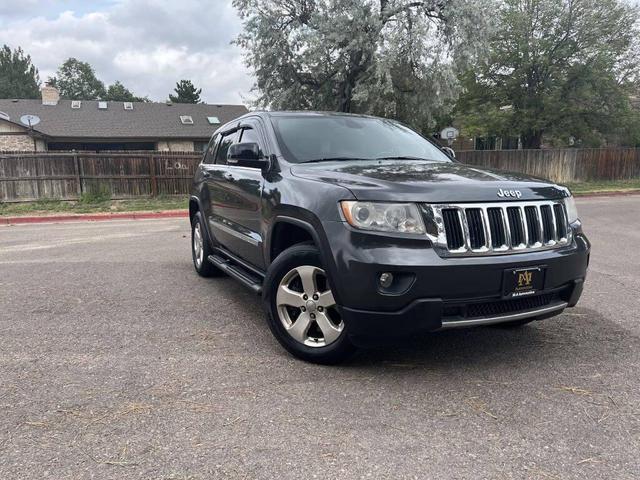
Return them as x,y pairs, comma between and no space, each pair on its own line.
118,361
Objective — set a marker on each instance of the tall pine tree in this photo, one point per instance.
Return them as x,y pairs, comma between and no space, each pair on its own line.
186,92
18,76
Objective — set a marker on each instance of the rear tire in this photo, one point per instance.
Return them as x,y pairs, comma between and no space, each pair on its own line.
200,249
300,308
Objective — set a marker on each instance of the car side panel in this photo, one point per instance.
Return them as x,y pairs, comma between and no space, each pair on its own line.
236,210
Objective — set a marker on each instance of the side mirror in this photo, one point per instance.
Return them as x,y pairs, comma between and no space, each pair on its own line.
246,155
449,151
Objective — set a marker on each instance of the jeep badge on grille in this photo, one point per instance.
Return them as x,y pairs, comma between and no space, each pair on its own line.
509,193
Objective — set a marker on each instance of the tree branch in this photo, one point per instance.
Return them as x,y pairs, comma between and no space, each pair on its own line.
385,16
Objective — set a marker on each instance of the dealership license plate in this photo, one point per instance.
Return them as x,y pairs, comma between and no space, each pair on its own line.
522,282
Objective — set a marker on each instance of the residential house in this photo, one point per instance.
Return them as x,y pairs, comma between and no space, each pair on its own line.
58,124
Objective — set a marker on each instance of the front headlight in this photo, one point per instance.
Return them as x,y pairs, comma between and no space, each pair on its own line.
572,211
383,217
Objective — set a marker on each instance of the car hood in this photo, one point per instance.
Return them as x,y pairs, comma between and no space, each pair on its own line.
425,181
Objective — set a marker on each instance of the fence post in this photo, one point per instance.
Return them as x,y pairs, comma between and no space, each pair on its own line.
152,172
76,166
81,169
37,161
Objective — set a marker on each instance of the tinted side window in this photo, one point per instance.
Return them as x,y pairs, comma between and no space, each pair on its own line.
223,148
211,148
200,146
249,135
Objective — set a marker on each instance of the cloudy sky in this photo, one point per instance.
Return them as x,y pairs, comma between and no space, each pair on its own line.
146,44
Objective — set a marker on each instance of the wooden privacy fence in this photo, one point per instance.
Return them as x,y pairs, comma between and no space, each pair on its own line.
31,176
70,175
561,165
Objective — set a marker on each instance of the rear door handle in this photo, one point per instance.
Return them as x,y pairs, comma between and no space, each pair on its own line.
228,176
206,174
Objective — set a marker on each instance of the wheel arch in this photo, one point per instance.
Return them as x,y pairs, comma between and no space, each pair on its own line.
316,234
194,207
287,231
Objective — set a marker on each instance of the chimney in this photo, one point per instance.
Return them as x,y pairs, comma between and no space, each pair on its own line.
50,95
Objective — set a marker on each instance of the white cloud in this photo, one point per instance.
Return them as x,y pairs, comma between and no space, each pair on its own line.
146,44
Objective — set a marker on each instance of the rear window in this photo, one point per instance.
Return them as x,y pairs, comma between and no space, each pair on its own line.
309,138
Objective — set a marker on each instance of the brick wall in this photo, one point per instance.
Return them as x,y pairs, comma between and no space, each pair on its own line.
15,137
22,143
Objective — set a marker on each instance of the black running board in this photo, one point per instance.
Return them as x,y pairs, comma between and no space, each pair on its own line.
237,271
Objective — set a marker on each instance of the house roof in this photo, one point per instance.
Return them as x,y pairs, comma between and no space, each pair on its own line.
21,126
146,120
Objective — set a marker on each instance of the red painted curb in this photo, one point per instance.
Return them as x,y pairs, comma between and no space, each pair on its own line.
94,217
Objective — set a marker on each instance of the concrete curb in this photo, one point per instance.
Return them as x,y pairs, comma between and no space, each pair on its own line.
94,217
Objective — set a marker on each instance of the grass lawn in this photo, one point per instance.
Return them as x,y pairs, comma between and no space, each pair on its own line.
97,204
93,205
604,186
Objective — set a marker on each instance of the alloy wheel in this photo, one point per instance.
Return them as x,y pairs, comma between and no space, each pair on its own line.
306,307
198,245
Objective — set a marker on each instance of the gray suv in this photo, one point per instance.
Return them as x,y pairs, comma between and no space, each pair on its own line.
356,231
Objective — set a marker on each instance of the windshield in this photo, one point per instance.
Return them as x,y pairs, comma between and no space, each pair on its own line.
336,137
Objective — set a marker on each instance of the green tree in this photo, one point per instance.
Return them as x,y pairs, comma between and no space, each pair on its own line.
76,80
119,93
18,76
396,58
562,70
186,92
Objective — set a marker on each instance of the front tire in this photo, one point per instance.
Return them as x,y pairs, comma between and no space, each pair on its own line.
200,249
301,310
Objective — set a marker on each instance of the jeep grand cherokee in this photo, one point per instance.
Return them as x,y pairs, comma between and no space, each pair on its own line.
356,230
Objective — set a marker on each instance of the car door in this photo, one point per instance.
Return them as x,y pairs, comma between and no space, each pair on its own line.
204,173
235,197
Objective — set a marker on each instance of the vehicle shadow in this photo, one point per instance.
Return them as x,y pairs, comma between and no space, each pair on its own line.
579,335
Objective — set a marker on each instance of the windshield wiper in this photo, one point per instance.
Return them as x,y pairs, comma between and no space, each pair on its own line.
403,157
344,159
331,159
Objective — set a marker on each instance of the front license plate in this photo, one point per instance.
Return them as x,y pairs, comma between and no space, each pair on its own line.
521,282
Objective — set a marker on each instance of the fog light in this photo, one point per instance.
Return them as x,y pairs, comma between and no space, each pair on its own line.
386,279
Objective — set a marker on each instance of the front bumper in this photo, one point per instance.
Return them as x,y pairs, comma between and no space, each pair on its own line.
438,293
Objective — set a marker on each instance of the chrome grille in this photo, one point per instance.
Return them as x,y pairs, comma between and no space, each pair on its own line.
497,228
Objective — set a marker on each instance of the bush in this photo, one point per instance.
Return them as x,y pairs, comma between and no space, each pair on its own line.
100,194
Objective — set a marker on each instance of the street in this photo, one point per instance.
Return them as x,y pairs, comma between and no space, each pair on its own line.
118,361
